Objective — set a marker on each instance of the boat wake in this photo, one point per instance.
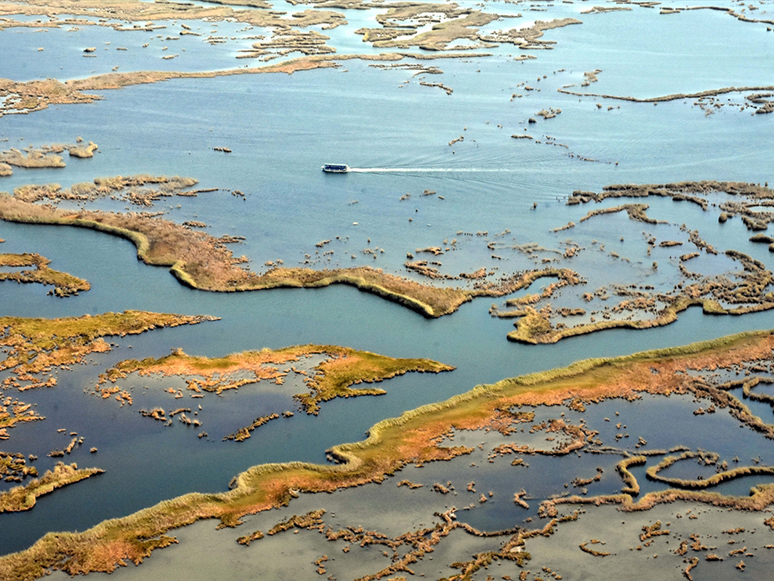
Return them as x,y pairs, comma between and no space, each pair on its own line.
424,170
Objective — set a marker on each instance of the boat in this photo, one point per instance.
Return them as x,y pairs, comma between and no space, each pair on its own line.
335,168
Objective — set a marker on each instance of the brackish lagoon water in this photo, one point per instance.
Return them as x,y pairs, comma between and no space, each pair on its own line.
280,129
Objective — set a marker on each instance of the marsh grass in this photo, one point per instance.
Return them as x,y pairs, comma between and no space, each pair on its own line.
64,284
35,345
334,377
391,444
200,261
24,497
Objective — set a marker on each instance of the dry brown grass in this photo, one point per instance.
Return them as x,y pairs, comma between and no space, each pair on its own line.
201,261
35,346
32,159
24,497
64,284
393,443
341,375
748,292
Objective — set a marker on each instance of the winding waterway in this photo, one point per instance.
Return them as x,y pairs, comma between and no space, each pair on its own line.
280,129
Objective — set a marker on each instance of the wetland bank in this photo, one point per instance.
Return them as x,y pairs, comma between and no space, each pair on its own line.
558,199
428,435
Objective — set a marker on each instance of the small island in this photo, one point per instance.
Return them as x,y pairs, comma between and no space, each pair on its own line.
35,346
336,376
64,284
24,497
